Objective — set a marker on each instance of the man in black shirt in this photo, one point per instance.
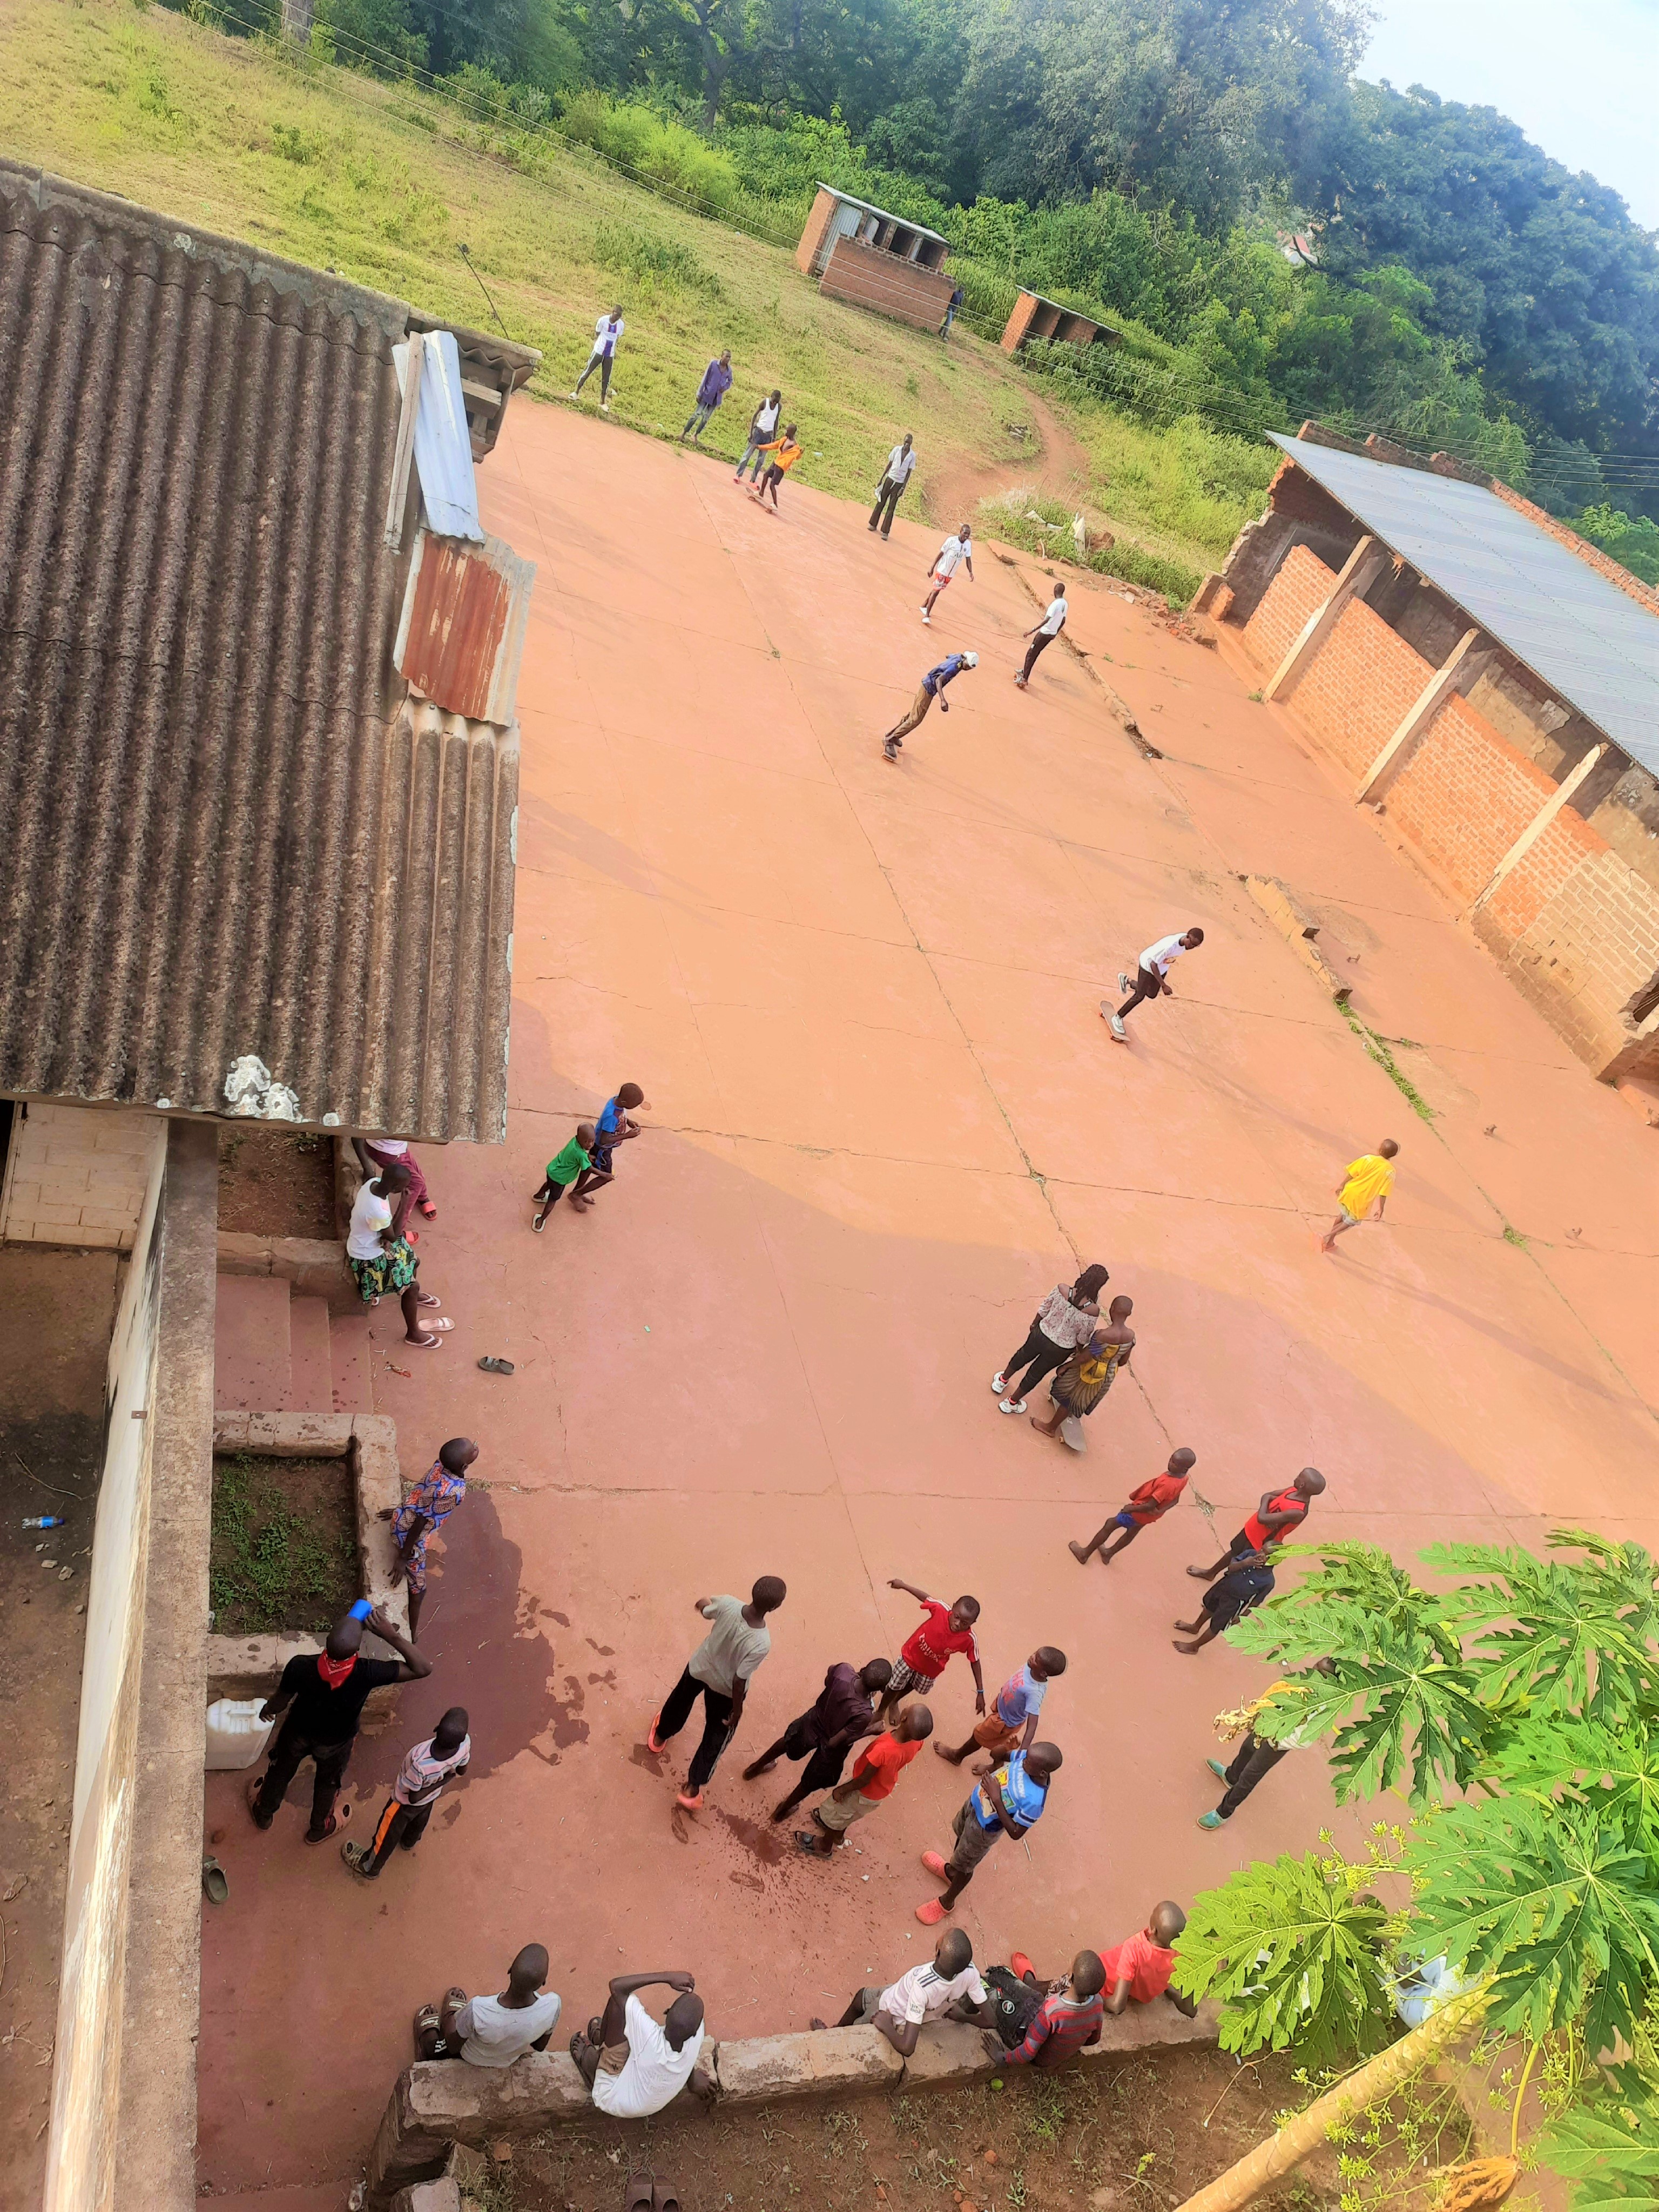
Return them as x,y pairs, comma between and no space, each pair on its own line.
327,1691
822,1735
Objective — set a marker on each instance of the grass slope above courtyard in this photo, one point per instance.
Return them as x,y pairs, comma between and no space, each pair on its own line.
385,183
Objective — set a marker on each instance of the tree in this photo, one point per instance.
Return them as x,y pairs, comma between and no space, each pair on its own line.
1532,1685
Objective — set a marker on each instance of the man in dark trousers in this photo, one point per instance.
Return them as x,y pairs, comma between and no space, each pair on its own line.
826,1732
716,383
1278,1513
952,309
327,1691
421,1778
931,688
1008,1803
1247,1582
1152,978
901,465
1258,1755
719,1672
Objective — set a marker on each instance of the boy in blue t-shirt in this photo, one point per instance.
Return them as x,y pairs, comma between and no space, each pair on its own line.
1011,1802
614,1127
931,688
1012,1719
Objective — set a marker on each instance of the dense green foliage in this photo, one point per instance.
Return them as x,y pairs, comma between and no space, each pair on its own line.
1519,1699
1156,160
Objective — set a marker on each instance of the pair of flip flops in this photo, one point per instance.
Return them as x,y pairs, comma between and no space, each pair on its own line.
649,2192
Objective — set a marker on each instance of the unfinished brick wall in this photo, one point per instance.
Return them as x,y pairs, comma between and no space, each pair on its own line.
1358,688
1591,948
1303,584
77,1174
869,277
819,218
1465,796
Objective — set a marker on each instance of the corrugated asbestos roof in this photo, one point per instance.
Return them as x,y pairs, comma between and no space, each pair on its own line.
224,859
1594,647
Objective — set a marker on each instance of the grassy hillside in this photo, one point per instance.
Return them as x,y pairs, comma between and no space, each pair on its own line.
384,185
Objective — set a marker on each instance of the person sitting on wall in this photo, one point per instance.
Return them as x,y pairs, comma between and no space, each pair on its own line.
492,2030
633,2066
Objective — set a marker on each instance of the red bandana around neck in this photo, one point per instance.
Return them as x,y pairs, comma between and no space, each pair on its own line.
334,1671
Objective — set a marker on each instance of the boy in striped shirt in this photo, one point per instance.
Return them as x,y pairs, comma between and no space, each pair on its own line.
420,1784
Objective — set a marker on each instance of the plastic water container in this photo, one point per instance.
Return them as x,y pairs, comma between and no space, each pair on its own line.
236,1736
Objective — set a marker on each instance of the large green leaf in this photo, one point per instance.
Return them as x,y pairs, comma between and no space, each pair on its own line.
1610,2149
1291,1950
1551,1902
1555,1636
1614,1770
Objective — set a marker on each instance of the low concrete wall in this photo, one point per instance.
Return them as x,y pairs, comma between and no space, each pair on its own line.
312,1267
80,1174
248,1666
123,2078
440,2103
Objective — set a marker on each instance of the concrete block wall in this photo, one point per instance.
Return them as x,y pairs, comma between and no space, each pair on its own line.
1592,947
870,277
77,1174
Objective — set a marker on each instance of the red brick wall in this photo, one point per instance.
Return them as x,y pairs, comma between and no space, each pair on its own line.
1358,688
1019,322
1304,583
817,221
1528,889
1465,796
870,277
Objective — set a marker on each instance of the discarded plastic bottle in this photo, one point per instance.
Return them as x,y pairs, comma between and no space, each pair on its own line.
44,1521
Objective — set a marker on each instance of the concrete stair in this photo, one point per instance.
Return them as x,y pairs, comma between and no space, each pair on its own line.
275,1353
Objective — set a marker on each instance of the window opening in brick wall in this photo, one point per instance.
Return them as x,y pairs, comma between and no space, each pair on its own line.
1645,1002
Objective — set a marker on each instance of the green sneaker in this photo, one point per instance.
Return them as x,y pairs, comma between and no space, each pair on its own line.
1211,1820
1216,1769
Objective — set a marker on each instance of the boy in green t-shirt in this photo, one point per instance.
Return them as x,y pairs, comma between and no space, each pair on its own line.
571,1169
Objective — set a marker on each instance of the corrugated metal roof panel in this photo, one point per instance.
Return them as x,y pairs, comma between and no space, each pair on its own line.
1585,639
443,442
464,619
222,859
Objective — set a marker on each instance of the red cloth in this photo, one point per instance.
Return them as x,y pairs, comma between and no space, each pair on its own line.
334,1671
1153,1499
880,1764
1146,1966
929,1650
1288,1501
417,1179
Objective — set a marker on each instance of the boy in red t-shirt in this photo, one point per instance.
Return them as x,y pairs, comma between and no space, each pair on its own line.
1280,1514
926,1655
876,1769
1149,1503
1138,1969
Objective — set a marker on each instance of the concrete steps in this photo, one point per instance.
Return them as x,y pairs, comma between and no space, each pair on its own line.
275,1353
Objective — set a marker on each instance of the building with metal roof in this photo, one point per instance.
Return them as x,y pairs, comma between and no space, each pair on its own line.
247,866
1491,681
875,260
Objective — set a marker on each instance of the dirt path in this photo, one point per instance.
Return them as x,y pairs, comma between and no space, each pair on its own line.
1060,465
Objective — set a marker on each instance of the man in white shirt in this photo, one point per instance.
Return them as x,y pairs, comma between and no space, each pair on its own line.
955,553
606,331
945,1987
719,1672
492,2030
901,464
634,2066
1043,635
762,428
1151,977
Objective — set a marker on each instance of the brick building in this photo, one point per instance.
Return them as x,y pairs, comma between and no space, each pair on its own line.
1034,317
1490,683
877,260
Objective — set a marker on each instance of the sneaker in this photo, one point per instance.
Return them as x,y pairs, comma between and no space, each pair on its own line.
1123,983
926,618
1211,1820
1216,1769
1019,679
1011,1406
356,1856
1118,1029
999,1383
605,406
890,752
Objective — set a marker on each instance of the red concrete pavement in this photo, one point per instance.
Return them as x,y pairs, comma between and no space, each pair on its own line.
885,1117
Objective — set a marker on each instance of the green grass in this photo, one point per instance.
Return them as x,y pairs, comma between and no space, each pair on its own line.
1041,524
270,1567
385,183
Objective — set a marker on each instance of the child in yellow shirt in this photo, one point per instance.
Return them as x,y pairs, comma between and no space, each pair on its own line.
784,452
1365,1182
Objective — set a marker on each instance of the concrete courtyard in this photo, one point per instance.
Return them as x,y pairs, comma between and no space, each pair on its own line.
885,1117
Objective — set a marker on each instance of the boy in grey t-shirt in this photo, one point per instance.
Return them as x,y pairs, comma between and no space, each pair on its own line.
718,1672
492,2030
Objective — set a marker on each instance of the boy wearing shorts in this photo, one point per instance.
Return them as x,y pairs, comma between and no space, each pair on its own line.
956,552
875,1771
1365,1182
1011,1724
571,1169
1149,1503
925,1656
784,452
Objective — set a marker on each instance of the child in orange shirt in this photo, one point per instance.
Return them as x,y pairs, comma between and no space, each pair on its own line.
784,454
1149,1503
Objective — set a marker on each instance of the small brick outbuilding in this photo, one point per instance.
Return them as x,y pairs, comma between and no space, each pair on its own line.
877,260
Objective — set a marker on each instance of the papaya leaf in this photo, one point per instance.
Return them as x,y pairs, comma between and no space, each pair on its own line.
1610,2148
1554,1636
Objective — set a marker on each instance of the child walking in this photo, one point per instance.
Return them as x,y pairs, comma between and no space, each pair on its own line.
569,1169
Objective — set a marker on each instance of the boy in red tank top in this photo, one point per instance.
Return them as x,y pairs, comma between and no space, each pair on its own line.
1274,1522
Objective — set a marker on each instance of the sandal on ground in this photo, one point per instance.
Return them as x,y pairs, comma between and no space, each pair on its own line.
809,1844
426,1298
426,2021
664,2198
494,1367
356,1856
337,1820
442,1326
214,1887
636,2194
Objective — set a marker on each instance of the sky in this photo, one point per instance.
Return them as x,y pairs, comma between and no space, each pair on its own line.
1580,76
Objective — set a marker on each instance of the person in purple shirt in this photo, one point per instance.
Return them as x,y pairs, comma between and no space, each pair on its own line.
716,383
822,1735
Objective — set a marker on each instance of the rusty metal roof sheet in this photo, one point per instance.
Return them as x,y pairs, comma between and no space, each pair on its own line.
235,875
